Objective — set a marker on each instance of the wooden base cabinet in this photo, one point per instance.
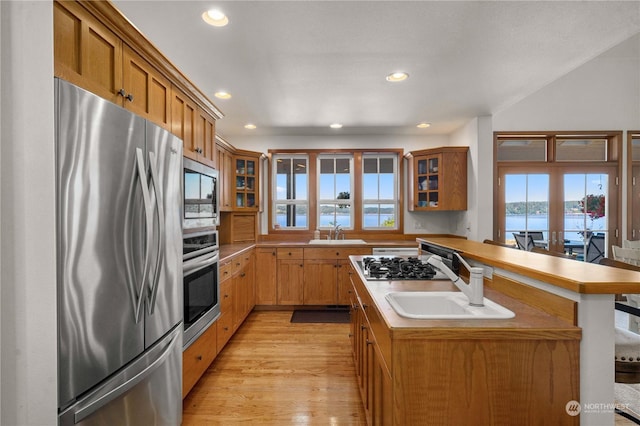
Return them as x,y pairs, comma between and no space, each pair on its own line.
197,358
290,276
326,275
266,276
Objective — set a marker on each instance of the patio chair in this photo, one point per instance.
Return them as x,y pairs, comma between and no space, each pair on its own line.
524,242
595,248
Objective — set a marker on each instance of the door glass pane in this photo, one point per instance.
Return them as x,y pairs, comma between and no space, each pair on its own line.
522,150
581,150
527,207
585,215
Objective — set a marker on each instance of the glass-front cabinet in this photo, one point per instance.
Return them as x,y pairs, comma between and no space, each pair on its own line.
246,183
438,179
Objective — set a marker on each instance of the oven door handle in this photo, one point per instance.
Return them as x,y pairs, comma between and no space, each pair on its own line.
194,265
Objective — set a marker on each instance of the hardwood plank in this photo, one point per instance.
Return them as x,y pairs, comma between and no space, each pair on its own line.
276,372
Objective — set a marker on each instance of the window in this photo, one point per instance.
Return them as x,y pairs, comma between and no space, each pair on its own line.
379,191
335,183
570,200
290,191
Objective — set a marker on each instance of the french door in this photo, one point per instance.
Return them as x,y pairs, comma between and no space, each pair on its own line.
561,207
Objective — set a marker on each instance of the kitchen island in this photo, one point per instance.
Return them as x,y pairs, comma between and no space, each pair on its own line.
521,370
547,283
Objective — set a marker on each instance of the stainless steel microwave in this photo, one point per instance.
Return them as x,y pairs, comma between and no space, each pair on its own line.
201,195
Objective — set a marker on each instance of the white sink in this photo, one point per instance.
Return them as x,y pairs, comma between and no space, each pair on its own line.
443,305
337,242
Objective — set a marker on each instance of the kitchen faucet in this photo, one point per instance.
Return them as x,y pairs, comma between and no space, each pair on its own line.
474,290
337,231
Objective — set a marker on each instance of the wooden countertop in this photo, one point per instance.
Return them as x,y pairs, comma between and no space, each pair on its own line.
528,323
580,277
369,243
227,251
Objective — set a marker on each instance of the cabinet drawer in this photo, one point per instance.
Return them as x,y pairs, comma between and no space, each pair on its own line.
236,264
335,252
289,253
197,358
225,330
226,299
225,271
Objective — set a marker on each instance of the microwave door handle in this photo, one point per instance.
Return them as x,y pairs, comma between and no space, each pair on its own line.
199,263
161,232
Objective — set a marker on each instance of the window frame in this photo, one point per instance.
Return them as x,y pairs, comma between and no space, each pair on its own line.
350,200
396,188
273,193
357,230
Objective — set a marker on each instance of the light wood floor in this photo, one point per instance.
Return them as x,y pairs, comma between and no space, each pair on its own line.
273,372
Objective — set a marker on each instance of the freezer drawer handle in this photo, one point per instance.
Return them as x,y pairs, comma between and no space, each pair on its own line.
161,232
100,400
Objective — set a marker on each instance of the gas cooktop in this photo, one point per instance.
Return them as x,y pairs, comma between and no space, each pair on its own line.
398,268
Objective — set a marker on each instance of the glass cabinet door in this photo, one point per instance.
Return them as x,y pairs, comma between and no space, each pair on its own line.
427,182
246,183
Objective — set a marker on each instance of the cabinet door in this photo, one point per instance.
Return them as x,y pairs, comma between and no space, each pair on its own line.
224,163
290,282
86,53
197,358
382,406
320,282
205,136
183,121
246,183
266,280
344,282
147,92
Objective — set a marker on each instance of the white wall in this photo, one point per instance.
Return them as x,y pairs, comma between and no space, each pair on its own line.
28,334
603,94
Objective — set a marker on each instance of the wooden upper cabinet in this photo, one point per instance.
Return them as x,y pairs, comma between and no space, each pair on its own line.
437,179
224,164
183,120
112,65
91,56
205,137
86,53
147,92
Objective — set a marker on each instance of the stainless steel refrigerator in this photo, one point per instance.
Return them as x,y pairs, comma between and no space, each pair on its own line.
119,254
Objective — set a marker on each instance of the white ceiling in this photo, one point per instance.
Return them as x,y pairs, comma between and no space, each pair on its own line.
294,67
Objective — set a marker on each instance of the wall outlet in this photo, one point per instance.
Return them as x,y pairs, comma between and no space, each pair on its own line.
417,224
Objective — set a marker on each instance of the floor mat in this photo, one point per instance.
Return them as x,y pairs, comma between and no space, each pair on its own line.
319,316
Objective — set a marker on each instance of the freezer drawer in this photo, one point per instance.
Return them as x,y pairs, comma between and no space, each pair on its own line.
146,392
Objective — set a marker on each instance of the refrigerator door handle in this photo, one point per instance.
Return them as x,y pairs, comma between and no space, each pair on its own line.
104,396
157,187
148,214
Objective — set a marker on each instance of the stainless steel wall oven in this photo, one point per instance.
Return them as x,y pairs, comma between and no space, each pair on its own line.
201,276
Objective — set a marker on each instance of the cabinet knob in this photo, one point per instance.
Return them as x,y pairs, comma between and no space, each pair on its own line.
363,327
242,274
129,97
290,254
199,357
369,342
121,92
337,253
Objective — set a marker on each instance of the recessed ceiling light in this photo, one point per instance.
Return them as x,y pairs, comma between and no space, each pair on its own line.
397,76
222,95
336,126
250,126
423,125
215,17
